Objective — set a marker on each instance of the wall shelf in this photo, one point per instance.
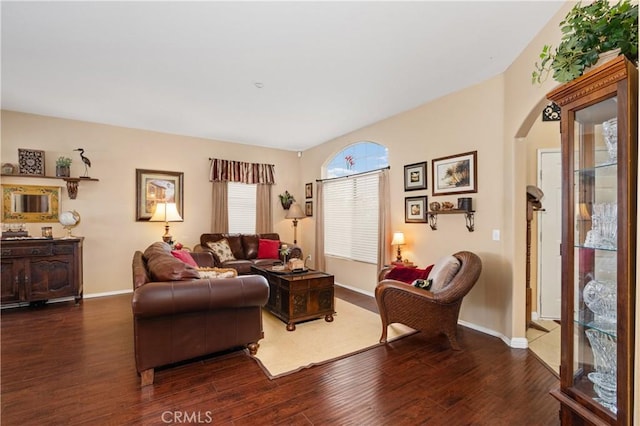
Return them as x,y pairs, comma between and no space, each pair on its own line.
469,218
72,182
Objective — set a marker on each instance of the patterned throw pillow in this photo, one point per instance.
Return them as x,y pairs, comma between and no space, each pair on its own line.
222,250
217,272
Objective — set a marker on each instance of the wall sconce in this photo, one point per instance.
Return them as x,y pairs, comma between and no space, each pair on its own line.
398,240
295,212
166,212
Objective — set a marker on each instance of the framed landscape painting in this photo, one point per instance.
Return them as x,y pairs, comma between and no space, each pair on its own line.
456,174
156,186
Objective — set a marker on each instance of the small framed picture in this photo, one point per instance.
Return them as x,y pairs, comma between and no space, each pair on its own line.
308,208
31,162
415,209
456,174
415,176
308,190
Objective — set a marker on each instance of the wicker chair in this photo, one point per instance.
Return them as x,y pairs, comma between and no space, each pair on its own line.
426,311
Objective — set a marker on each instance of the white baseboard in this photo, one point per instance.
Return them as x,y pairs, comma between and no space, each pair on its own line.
107,293
516,342
357,290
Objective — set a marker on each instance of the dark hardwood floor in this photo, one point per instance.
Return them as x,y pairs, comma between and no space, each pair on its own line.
67,364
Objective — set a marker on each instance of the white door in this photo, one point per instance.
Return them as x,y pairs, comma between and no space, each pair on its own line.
549,234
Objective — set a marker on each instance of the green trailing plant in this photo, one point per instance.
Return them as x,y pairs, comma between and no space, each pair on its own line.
588,31
286,199
63,162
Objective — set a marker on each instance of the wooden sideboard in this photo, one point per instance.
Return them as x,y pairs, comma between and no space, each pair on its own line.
39,270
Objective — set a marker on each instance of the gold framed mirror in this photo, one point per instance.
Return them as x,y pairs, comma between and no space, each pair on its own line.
30,203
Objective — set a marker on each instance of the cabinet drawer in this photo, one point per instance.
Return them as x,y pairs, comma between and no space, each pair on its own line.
31,250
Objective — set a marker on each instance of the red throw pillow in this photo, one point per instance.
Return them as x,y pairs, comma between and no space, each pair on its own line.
185,256
408,275
268,249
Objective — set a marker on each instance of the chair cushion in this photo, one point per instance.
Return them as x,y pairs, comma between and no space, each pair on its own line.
185,256
221,250
408,275
443,272
268,249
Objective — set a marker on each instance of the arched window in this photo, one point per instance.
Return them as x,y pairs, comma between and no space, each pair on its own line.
351,205
358,158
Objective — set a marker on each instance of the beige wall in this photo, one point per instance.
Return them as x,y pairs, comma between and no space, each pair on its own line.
108,208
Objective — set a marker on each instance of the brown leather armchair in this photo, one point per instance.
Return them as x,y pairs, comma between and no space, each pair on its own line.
434,312
186,317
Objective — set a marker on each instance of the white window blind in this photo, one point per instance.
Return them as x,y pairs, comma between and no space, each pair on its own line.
351,218
242,208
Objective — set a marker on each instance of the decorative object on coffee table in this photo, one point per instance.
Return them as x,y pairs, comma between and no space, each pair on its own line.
31,162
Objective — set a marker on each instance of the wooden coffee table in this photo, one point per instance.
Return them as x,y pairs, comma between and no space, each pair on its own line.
297,297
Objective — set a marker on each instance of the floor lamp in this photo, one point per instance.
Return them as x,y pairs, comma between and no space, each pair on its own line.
295,212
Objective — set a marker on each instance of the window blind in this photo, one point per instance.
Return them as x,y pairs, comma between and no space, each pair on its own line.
351,218
242,208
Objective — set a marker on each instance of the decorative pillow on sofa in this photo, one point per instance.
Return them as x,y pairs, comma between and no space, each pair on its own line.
268,249
163,266
185,256
443,272
217,272
408,275
222,250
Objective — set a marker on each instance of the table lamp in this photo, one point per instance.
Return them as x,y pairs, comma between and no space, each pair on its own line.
295,212
166,212
398,240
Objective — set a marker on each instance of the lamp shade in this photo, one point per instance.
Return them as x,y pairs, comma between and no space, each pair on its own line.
398,238
295,212
166,212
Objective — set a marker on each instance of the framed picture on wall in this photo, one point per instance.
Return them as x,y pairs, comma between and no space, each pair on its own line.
308,208
308,190
156,186
456,174
415,209
415,176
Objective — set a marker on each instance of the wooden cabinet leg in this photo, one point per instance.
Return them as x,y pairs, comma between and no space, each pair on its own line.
253,348
146,377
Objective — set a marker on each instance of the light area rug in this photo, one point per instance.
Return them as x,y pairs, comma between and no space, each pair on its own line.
315,342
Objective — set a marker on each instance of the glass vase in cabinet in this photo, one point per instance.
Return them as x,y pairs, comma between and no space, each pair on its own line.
599,122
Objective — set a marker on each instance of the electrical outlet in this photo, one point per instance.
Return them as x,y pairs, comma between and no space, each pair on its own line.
496,235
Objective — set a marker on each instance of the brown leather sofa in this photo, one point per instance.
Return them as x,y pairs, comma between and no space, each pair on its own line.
177,316
245,250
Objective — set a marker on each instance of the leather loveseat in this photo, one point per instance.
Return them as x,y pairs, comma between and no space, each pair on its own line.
246,250
178,316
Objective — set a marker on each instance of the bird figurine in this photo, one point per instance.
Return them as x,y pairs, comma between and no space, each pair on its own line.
86,161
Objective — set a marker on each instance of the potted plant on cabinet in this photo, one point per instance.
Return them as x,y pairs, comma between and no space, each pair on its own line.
63,167
286,200
587,32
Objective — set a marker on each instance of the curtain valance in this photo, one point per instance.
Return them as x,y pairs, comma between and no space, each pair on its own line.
238,171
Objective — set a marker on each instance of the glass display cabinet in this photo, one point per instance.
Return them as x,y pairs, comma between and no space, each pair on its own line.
599,189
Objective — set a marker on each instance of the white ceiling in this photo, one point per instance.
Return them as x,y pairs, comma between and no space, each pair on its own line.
327,68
